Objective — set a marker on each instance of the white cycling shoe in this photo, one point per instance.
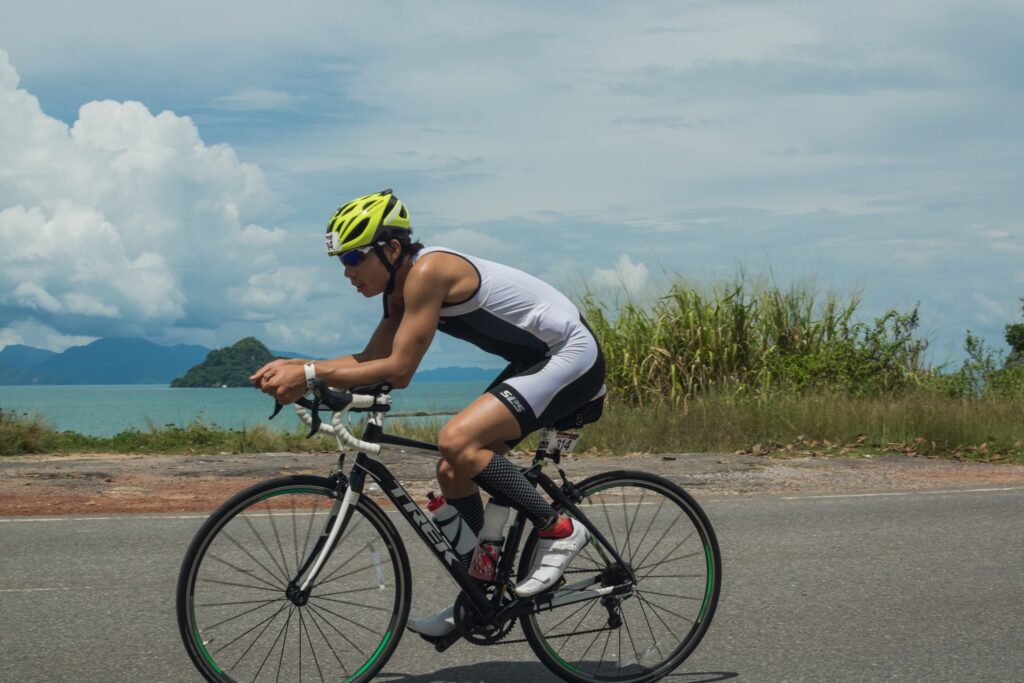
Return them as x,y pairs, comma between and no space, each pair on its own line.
436,625
555,555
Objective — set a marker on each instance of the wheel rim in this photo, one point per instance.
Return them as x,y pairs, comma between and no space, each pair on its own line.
651,630
245,627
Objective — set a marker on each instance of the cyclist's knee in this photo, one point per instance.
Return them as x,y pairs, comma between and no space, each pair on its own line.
453,442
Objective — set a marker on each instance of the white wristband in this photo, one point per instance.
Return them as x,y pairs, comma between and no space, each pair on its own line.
310,374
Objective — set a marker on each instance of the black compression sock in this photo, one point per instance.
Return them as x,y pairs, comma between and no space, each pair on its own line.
503,479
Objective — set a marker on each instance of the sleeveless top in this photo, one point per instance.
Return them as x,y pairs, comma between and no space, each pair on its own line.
511,314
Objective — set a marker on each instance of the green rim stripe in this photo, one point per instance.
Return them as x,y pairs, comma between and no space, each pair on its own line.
364,667
561,661
711,582
209,659
284,491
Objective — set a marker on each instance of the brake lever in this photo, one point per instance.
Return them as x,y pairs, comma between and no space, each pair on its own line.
313,408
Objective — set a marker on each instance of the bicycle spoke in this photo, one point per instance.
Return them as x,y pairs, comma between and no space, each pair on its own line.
314,608
346,592
651,524
240,570
667,595
270,554
669,553
252,557
343,576
238,585
284,646
312,650
665,533
327,640
695,553
266,622
658,608
248,611
236,602
353,604
604,651
582,607
342,617
277,537
650,629
271,650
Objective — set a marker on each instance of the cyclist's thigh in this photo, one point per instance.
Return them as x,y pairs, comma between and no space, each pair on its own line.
555,386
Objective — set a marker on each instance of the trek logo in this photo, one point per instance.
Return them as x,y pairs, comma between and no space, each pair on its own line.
440,543
513,401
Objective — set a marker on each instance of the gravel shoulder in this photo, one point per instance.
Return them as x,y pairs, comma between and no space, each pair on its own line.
110,483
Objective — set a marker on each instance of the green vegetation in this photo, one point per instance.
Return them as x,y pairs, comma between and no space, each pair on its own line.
231,366
746,367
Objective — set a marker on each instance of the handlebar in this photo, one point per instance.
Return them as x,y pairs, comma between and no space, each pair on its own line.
340,403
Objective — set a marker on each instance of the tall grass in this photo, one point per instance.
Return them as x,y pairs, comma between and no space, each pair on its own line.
742,366
753,338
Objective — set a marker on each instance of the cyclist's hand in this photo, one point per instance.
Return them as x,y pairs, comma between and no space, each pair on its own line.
284,381
261,374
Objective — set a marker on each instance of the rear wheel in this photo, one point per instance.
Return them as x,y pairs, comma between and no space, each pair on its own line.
239,620
647,631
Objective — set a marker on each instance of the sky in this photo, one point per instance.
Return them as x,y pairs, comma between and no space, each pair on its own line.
167,169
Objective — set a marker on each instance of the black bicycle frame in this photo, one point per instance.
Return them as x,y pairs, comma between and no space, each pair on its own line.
439,544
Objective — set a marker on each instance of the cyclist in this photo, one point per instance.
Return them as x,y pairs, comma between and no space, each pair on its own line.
555,366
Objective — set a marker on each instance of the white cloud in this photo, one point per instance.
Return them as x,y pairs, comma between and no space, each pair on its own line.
626,275
32,333
129,216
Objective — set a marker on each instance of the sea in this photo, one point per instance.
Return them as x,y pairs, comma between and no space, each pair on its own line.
105,410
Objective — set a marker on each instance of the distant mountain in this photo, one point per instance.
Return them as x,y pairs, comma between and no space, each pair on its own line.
10,375
23,357
119,361
231,366
456,374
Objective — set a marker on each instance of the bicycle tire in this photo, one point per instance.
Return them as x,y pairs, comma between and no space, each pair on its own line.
681,584
347,632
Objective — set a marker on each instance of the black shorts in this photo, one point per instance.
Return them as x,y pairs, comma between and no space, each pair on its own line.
553,391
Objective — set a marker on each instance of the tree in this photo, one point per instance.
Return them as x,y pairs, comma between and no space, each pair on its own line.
1015,338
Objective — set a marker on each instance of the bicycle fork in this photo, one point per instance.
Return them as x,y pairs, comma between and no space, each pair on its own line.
341,513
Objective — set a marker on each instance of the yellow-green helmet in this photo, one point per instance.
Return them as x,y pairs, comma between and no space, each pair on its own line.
365,221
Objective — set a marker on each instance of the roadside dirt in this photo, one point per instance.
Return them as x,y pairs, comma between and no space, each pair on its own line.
104,483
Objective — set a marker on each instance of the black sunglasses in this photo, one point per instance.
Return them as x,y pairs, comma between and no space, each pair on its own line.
355,256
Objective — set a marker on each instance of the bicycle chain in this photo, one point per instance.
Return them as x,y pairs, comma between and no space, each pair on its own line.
575,633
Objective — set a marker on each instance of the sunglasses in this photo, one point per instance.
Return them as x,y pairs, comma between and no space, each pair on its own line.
354,257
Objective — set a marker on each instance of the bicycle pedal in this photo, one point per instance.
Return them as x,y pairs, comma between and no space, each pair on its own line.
442,643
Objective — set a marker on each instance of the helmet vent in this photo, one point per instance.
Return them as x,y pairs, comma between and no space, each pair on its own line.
357,231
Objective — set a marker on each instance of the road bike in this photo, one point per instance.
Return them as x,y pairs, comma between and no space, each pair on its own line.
305,578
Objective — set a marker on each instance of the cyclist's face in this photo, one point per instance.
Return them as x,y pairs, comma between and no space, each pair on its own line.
369,276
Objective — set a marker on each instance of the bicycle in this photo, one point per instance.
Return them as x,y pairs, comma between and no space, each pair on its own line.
304,578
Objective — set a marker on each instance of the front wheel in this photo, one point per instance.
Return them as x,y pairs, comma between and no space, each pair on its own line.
239,620
642,630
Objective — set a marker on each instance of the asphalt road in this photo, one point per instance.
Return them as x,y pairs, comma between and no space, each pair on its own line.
915,586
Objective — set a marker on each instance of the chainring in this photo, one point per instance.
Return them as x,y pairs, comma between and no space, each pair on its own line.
469,625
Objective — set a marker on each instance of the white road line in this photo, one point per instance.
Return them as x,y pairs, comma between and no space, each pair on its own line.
903,493
706,501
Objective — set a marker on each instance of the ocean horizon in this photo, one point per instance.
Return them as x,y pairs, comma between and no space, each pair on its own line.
107,409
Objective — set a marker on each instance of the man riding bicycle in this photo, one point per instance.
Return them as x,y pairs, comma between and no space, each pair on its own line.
555,366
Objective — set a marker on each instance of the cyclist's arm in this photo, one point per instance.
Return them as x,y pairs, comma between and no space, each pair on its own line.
415,328
379,346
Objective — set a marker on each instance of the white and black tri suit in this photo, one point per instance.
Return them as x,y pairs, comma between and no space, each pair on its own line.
556,367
